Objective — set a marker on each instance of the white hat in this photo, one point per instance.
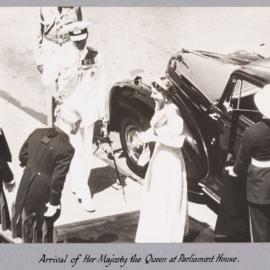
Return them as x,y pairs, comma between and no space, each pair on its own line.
77,30
261,99
161,83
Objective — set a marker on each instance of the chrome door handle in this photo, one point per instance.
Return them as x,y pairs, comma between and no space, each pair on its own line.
215,116
203,108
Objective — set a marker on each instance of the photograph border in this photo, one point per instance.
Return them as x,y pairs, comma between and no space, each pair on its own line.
27,256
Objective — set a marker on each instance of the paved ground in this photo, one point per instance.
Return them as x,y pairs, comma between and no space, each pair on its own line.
131,40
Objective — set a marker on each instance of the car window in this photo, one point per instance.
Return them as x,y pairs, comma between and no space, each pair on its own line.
243,88
242,98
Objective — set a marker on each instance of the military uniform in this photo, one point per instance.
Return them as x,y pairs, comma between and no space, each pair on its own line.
253,159
46,156
89,99
55,51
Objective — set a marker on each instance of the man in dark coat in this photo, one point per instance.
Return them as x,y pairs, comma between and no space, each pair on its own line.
253,160
46,156
6,175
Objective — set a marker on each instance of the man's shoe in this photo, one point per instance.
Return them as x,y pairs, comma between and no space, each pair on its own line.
88,206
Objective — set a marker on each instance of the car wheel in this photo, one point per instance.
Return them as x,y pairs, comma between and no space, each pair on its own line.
129,129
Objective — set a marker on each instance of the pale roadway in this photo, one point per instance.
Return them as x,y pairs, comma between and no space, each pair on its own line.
132,41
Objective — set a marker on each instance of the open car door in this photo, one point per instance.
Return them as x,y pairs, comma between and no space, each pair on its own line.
233,219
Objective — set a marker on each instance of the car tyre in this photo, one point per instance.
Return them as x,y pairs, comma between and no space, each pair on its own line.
129,126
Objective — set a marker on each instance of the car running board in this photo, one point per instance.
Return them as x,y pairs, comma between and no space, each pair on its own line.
209,193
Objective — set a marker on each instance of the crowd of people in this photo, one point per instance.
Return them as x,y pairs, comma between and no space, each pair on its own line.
74,77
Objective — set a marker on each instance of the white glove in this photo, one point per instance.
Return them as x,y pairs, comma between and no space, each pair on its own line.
51,209
10,186
231,171
146,136
104,128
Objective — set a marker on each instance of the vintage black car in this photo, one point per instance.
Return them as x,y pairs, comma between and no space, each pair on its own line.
214,93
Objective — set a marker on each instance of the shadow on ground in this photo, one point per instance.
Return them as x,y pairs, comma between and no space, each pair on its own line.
102,178
122,229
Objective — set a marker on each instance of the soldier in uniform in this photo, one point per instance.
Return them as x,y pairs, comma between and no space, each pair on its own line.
87,96
253,160
6,175
46,156
55,53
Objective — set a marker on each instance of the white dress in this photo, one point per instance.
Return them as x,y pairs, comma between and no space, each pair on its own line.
163,215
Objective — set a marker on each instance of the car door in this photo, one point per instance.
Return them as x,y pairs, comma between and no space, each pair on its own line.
206,115
228,119
238,111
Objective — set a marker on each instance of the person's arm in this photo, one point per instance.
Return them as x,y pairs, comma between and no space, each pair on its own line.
243,156
102,91
23,155
58,179
170,134
61,169
38,31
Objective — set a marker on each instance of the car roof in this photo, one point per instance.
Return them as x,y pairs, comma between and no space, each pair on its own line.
209,72
260,69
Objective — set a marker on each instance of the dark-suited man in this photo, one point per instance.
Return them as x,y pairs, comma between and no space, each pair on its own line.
6,175
253,159
46,156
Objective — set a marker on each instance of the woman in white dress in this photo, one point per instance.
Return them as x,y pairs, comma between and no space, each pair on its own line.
163,215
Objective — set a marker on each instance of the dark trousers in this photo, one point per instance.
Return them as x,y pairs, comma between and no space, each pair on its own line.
233,220
43,236
7,216
260,222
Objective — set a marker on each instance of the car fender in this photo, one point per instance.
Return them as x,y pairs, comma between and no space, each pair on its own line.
127,97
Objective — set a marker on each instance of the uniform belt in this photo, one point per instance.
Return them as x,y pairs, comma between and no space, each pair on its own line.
56,40
260,163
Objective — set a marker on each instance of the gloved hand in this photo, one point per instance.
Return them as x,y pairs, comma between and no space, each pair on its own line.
58,98
104,128
231,171
137,141
146,136
10,186
51,210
